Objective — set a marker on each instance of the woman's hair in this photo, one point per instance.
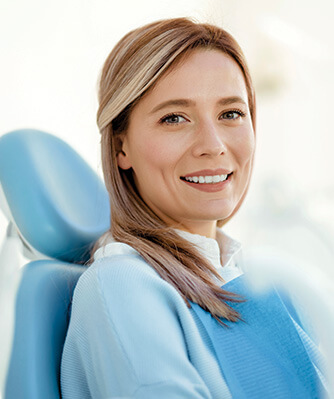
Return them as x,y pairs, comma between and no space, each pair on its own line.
131,70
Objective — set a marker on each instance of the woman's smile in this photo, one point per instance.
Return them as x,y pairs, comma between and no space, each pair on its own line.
190,142
208,180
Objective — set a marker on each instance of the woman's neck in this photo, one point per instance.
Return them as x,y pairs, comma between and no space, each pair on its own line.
208,230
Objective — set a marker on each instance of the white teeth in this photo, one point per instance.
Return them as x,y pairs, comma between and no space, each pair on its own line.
207,179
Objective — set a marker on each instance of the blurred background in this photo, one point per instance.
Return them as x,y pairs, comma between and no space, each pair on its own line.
52,53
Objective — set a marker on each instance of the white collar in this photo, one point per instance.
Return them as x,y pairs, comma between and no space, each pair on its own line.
222,253
218,251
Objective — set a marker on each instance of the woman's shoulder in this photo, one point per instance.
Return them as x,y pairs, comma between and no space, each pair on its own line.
120,276
118,263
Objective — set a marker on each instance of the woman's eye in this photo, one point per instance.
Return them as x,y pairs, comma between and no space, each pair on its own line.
172,119
231,115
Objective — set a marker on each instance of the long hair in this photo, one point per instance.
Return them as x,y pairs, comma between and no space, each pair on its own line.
131,70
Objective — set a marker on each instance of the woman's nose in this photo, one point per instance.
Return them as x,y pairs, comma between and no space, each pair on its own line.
209,141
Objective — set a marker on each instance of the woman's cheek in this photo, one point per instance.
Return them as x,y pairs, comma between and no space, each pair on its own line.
162,152
246,144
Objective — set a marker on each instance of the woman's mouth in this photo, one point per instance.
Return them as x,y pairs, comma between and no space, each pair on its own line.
206,179
210,183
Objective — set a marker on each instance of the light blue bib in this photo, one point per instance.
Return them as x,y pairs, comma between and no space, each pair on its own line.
263,355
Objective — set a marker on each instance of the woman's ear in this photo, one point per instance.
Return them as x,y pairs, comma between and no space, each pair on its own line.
123,159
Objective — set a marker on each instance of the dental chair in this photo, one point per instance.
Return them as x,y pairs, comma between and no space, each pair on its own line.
57,207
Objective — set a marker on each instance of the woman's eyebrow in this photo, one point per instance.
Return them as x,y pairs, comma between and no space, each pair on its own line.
180,101
231,100
188,103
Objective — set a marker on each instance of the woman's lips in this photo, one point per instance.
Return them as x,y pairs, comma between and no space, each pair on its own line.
212,182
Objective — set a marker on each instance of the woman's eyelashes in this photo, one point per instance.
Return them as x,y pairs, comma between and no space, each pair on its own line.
172,119
176,119
232,114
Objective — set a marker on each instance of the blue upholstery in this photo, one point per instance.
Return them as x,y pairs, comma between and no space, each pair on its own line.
42,312
58,203
60,207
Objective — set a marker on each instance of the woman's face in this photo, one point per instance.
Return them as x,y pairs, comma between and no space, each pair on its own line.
190,142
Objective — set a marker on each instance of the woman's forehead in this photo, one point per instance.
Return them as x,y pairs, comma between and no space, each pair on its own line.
201,76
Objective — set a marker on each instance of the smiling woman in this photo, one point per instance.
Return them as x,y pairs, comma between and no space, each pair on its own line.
163,311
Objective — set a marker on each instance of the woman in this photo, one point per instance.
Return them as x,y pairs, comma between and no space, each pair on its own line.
162,311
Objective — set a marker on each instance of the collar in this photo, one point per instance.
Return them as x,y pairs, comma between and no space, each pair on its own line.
224,253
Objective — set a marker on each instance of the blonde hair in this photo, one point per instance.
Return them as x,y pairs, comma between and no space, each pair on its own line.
131,70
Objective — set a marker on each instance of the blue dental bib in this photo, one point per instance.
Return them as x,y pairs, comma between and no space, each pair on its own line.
261,357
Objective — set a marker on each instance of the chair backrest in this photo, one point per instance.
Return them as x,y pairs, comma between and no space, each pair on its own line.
59,207
41,321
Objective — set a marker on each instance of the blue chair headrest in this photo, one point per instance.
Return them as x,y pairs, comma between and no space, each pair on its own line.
57,201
